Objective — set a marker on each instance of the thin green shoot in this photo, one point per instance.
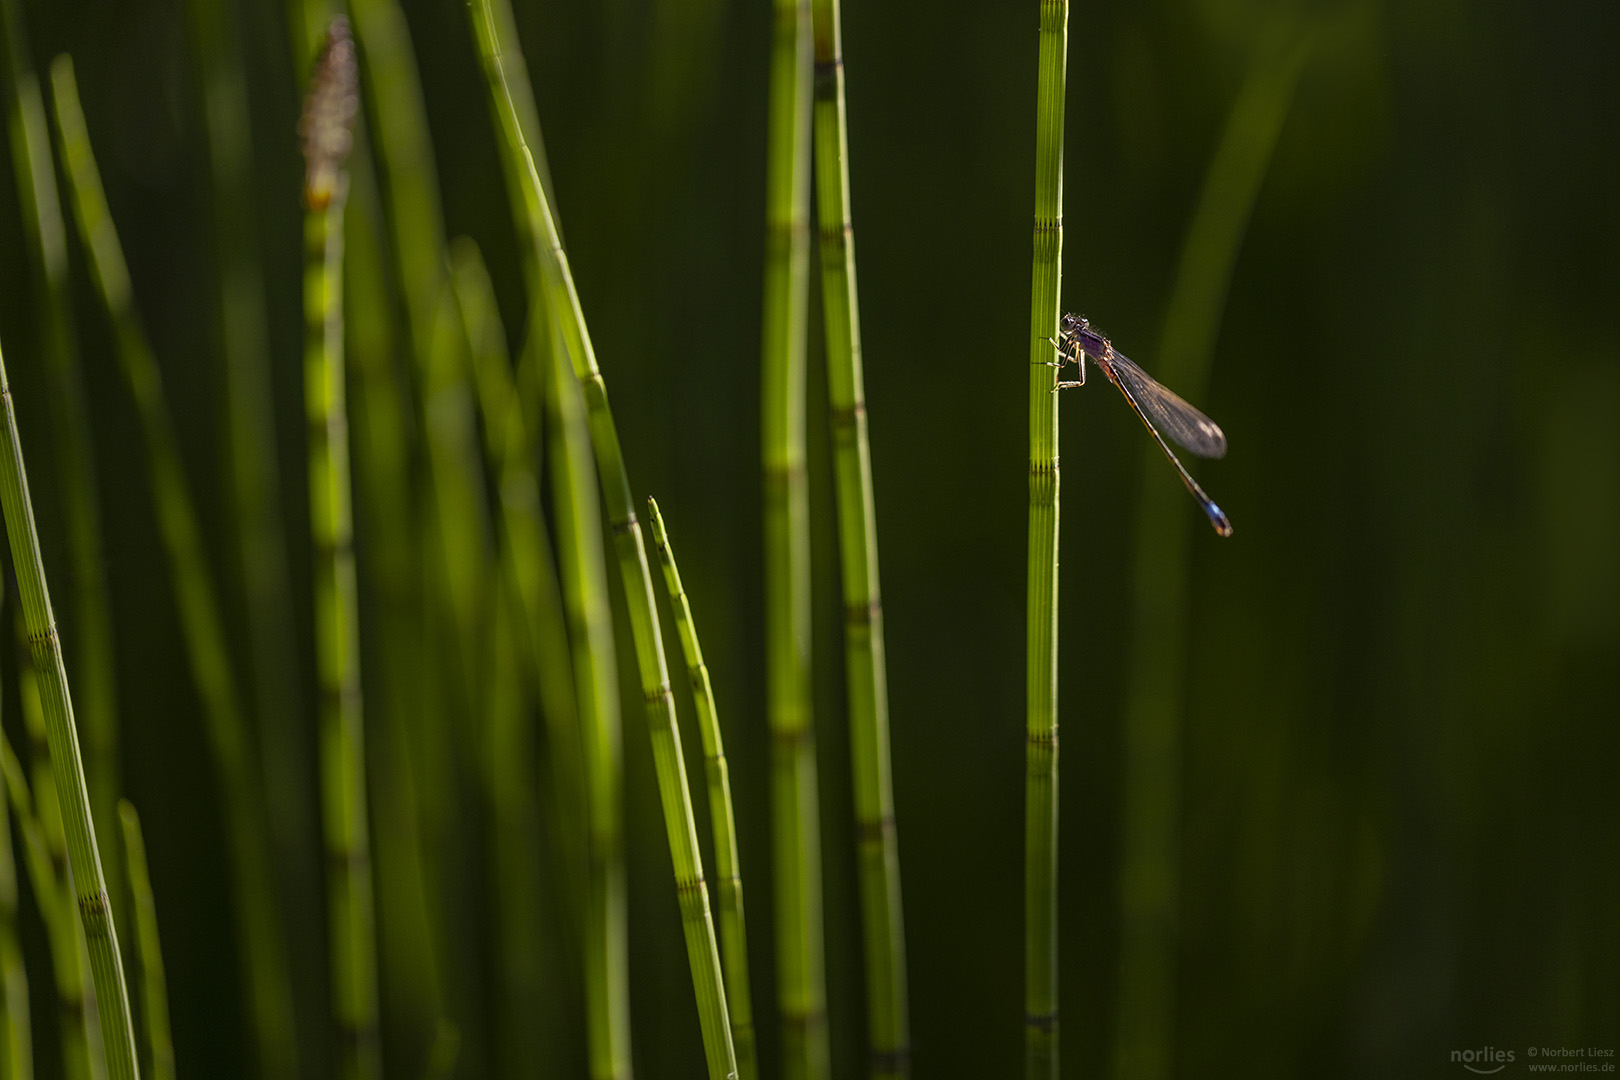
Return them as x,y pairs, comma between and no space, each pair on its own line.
728,871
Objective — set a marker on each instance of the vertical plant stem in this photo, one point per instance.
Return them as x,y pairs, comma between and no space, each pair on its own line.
865,671
327,130
148,950
1041,720
800,982
590,622
733,934
674,793
1150,857
45,240
263,968
89,885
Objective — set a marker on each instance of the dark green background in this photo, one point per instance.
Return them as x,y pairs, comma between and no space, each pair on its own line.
1400,753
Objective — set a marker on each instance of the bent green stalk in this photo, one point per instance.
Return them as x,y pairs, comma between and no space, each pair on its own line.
1149,868
45,242
90,887
148,950
327,131
800,981
733,935
674,794
1041,720
865,671
263,967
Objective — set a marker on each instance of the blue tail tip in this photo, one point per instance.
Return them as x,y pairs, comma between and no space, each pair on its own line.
1217,518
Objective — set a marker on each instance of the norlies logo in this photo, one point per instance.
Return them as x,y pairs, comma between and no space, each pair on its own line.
1484,1061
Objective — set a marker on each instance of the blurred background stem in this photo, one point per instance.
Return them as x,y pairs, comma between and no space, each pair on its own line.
1150,859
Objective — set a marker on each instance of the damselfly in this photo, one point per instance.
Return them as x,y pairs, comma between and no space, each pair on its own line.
1157,408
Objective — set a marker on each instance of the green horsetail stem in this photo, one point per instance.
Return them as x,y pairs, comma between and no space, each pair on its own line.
568,321
263,967
46,848
154,993
801,994
17,1053
1041,718
45,243
733,935
865,670
1150,852
90,887
327,129
590,626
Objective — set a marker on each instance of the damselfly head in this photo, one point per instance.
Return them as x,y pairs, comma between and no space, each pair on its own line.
1073,323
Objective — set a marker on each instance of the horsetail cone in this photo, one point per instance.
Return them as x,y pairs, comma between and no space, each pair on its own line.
327,126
